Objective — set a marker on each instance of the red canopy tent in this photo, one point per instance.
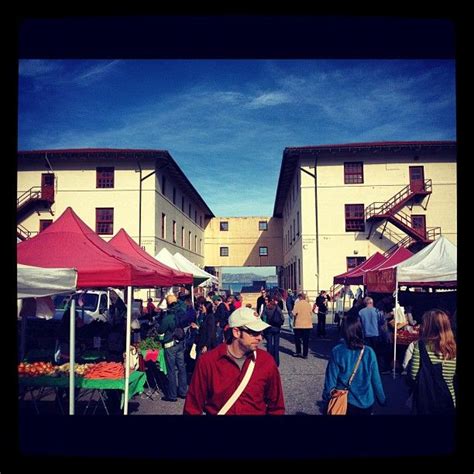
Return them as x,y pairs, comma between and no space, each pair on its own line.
381,279
355,276
69,242
124,243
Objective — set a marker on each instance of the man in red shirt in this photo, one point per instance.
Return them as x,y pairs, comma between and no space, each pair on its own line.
220,371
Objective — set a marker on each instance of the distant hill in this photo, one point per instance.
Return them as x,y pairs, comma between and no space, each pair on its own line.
246,278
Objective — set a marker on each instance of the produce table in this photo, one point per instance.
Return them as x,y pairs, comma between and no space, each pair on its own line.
136,383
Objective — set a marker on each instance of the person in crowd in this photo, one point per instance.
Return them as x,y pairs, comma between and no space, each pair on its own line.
273,316
322,304
218,373
150,309
303,324
117,310
290,303
261,300
174,353
221,315
366,386
278,299
372,320
238,301
437,337
230,304
206,329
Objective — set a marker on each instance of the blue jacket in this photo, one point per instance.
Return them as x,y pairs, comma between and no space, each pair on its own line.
366,385
371,319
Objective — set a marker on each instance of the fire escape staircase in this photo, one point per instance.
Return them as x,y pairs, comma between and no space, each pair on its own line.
390,211
30,201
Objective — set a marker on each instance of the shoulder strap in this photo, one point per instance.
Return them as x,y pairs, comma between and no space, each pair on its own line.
356,366
240,388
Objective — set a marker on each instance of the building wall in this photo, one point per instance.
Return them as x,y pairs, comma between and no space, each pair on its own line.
76,188
243,240
383,178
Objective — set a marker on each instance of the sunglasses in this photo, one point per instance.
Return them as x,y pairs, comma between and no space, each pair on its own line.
251,332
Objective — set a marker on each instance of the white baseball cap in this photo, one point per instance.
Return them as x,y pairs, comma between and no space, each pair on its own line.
247,317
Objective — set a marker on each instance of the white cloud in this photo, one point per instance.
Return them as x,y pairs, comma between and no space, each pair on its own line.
269,99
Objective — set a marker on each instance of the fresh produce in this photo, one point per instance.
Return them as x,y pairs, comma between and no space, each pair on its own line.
35,369
105,370
149,343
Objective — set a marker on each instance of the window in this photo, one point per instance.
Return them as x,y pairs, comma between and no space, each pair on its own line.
189,210
182,237
195,243
163,185
224,226
353,262
298,223
44,223
174,231
189,240
196,217
353,173
182,203
263,251
105,178
104,220
262,225
174,195
299,272
224,251
355,217
163,226
200,246
294,230
200,220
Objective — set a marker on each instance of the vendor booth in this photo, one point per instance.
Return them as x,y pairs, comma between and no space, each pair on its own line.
69,242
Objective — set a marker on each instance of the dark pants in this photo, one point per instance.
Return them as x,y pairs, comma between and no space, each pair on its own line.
272,336
302,334
321,329
174,357
375,343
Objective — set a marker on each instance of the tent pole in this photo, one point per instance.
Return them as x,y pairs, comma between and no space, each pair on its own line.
395,326
72,353
192,293
127,348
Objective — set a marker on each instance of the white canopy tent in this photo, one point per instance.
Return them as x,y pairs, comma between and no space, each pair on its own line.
436,263
34,282
198,273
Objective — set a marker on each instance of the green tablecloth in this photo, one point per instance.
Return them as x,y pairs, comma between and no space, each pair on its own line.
160,361
136,382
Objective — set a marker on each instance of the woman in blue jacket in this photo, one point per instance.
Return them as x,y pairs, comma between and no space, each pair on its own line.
366,385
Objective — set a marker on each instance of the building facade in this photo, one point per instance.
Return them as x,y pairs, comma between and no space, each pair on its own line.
335,205
143,191
340,204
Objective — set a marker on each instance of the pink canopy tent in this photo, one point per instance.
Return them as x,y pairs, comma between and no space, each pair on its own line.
381,279
355,276
69,242
124,243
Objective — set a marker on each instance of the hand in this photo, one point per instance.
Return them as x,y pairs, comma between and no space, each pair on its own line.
204,349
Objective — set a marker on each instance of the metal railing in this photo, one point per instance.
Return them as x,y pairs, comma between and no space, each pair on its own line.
32,193
381,208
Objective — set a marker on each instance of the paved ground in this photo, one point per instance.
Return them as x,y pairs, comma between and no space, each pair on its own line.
302,379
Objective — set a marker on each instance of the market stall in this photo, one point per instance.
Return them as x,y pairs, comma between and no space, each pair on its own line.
435,266
69,242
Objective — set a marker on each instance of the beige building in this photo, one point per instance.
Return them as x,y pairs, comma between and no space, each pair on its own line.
143,191
335,205
342,203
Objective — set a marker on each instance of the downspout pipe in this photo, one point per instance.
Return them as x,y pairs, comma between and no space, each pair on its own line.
316,223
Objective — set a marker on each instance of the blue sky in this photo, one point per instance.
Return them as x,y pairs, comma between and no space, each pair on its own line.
227,122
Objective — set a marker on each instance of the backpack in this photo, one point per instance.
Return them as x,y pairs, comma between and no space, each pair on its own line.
431,394
276,318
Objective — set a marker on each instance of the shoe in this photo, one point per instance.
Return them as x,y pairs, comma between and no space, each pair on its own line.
166,399
182,396
296,355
